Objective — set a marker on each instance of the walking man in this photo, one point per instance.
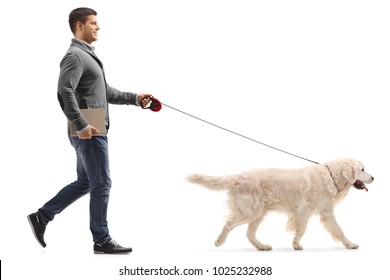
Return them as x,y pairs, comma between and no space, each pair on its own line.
82,85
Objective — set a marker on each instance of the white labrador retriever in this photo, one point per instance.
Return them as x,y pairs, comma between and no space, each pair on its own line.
298,192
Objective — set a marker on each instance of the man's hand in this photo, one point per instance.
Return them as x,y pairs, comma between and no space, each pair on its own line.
87,133
144,99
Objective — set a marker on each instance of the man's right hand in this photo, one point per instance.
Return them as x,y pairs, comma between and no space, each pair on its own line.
87,132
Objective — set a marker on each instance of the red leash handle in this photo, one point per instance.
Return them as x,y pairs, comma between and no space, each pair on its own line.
154,105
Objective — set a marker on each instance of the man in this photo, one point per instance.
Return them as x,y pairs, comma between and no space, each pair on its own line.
82,85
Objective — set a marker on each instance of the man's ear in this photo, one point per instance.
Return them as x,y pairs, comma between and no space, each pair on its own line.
79,26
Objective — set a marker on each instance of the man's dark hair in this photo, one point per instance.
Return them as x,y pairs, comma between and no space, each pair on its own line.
79,15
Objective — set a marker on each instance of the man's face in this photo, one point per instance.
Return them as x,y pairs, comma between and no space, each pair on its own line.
88,32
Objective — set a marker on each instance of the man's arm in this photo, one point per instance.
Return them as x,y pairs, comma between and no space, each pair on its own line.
129,98
70,74
118,97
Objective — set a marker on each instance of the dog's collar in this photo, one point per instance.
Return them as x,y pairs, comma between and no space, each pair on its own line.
331,174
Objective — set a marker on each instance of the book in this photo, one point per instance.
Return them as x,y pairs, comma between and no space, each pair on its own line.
94,117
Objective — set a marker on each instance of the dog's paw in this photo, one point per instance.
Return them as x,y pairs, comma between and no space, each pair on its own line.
218,243
264,247
297,246
351,246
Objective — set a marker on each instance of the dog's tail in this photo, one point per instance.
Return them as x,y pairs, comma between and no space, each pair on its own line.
214,183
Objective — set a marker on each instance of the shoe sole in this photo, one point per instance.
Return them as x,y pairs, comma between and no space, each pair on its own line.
107,253
33,230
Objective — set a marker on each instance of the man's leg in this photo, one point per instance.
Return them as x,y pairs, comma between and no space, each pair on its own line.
96,164
59,202
67,195
94,157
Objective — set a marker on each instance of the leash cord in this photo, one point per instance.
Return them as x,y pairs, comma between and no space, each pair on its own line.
238,134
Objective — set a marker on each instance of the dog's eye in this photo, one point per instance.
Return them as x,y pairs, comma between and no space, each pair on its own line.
363,169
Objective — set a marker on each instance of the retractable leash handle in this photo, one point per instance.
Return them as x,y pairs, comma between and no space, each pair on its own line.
155,105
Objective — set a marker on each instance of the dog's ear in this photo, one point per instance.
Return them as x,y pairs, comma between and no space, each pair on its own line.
343,174
349,173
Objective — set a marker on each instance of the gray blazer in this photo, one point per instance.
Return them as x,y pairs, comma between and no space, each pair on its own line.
82,85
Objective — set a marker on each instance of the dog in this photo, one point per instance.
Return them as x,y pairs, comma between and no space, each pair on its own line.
300,193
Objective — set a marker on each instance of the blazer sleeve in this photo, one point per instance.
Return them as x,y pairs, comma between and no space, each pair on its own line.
118,97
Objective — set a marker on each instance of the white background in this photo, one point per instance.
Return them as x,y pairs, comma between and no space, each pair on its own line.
309,77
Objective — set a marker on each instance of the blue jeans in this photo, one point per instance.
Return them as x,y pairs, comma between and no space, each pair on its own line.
93,176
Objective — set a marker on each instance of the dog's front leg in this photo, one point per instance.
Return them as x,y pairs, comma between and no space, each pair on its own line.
298,223
329,221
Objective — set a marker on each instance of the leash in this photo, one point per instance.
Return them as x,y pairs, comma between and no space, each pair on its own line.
156,105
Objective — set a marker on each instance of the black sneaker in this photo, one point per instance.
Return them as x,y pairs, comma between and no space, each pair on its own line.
110,247
38,228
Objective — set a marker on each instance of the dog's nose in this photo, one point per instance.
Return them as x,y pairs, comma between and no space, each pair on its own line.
372,178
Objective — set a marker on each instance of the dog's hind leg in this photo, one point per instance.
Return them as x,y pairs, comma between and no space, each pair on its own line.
251,234
329,221
229,225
